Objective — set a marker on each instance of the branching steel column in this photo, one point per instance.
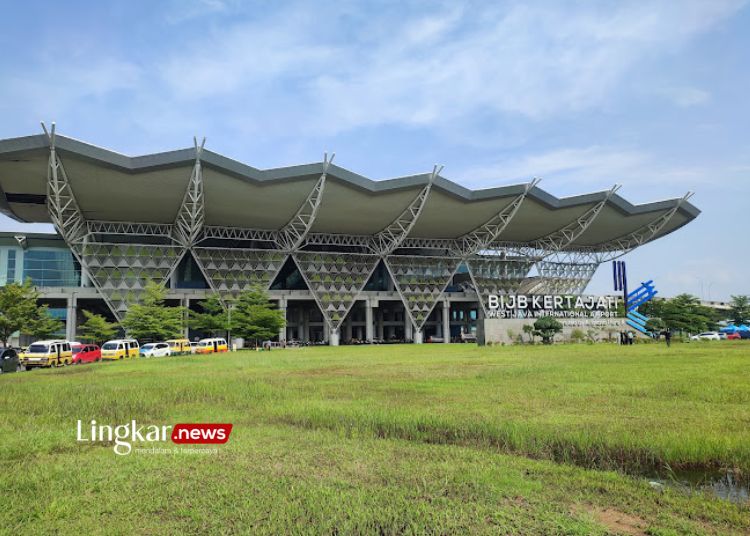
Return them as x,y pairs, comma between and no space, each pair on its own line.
387,240
481,237
554,244
293,234
191,215
621,246
565,236
570,272
63,209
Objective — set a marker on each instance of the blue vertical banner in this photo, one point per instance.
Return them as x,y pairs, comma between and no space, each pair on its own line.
620,277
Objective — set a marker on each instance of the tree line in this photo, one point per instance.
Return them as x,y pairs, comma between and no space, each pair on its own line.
250,316
685,314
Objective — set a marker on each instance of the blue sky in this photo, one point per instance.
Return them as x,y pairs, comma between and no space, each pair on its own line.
651,95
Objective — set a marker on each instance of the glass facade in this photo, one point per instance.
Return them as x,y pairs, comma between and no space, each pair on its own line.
11,266
51,268
188,275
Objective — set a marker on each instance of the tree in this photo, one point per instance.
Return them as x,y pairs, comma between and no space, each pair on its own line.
740,312
151,319
546,328
655,325
96,328
44,326
682,313
577,335
592,335
214,319
254,318
528,329
19,311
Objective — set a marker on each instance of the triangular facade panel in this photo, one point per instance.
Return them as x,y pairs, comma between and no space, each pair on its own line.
232,271
420,282
121,271
564,277
497,276
335,280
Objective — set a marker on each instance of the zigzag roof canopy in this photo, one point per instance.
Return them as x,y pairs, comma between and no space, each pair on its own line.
238,195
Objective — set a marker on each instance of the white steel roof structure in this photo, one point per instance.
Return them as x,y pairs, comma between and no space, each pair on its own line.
132,219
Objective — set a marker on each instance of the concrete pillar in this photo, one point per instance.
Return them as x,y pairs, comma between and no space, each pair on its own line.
70,318
408,331
333,337
380,323
301,331
348,328
282,330
173,279
326,331
418,338
368,321
446,321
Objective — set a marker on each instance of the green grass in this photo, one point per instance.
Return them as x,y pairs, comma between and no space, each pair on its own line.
390,439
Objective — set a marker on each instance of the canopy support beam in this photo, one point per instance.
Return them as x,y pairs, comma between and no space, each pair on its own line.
389,239
293,234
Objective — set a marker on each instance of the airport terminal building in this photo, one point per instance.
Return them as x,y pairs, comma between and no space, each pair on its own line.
348,259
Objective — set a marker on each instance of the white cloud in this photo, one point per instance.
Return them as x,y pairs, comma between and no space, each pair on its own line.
531,60
569,171
183,10
685,96
584,165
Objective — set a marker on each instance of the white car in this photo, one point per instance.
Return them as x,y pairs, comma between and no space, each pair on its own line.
706,336
155,349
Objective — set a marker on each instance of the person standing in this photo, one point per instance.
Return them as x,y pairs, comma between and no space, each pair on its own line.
668,337
631,337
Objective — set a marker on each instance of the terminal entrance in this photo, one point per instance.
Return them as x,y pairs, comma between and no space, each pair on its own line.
386,322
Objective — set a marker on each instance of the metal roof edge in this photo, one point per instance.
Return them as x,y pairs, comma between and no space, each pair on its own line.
185,157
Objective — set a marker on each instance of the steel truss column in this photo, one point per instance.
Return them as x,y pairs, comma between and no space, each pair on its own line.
565,236
120,271
62,206
293,234
620,246
191,215
569,272
557,271
387,240
481,237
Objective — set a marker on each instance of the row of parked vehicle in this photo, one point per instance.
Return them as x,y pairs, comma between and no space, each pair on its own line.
57,353
720,336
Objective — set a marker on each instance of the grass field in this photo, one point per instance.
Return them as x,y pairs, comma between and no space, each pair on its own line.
390,439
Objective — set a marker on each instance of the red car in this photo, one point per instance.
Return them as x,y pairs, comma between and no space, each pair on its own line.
86,353
732,336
